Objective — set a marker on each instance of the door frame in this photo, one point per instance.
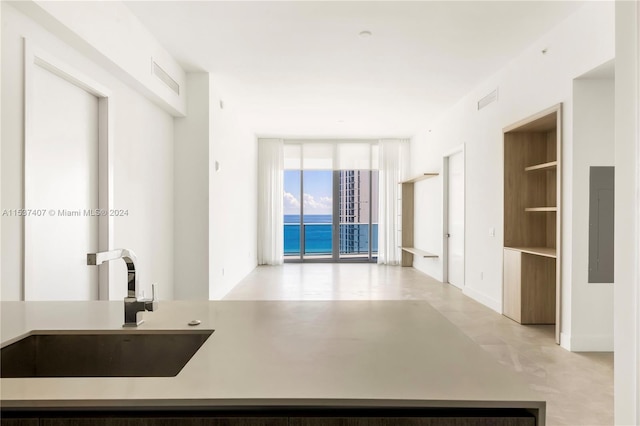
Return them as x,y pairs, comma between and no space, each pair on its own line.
34,56
445,211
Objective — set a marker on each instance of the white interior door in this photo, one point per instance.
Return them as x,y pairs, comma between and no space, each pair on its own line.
61,179
455,220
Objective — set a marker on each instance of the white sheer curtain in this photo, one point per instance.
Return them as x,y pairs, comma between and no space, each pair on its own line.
270,211
393,157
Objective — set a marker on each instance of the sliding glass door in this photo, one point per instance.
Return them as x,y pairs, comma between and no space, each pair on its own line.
308,223
330,214
317,217
358,213
337,218
292,213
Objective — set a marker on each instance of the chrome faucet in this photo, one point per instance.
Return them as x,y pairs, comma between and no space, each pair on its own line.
133,307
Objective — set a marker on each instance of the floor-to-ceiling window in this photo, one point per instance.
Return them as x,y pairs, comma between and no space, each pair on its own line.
308,214
358,218
292,213
330,213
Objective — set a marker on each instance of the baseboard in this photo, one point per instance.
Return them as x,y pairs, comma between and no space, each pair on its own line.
222,293
565,341
434,271
489,302
591,343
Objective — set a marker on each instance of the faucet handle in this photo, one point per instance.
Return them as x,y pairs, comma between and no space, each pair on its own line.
151,305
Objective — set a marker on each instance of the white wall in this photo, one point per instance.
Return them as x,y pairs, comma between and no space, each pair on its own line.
191,209
593,145
215,211
627,216
110,34
233,197
142,164
530,83
0,154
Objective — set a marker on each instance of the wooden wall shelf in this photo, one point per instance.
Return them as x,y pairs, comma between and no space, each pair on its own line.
541,209
538,251
418,252
421,177
544,166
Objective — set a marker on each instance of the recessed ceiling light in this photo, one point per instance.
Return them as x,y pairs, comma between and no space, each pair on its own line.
365,34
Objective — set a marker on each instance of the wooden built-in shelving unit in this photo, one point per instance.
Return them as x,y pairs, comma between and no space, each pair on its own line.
406,225
532,219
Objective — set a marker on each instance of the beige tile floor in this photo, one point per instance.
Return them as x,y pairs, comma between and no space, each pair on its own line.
578,386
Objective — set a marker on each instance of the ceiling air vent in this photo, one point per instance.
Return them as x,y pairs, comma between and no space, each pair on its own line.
490,98
165,78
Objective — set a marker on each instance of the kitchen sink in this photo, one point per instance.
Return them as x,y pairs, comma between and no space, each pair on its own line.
148,353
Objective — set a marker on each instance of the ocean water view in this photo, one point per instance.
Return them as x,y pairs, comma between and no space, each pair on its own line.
308,218
354,238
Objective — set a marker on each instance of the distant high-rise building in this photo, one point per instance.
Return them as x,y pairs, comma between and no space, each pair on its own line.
355,210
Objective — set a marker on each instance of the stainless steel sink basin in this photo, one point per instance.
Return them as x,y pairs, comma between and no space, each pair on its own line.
101,354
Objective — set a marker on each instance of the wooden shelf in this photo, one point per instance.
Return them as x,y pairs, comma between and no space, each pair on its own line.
421,177
418,252
539,251
544,166
541,209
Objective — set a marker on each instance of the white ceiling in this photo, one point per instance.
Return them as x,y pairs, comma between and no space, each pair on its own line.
300,68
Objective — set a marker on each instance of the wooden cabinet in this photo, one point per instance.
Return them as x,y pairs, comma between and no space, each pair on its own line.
532,219
407,219
529,287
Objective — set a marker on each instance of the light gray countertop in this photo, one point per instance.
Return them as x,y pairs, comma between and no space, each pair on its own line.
375,352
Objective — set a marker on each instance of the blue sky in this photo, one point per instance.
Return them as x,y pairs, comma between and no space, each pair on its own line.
317,191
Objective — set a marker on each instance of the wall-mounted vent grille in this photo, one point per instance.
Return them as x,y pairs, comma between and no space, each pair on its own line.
165,78
490,98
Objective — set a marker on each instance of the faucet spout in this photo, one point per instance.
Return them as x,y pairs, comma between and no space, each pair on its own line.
129,258
133,306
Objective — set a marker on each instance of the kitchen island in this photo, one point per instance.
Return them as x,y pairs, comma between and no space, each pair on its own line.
295,363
